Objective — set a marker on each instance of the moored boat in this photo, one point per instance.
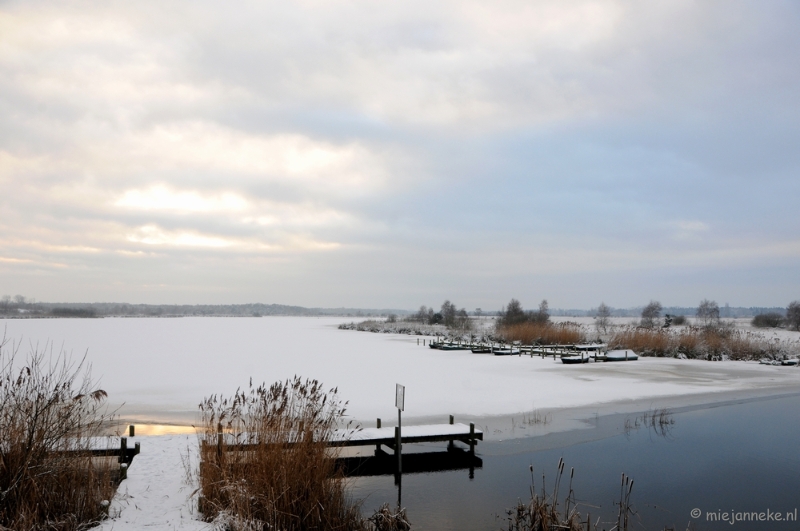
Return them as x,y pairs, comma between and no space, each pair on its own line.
621,355
505,351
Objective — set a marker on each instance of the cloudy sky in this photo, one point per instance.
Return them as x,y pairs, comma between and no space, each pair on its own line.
392,154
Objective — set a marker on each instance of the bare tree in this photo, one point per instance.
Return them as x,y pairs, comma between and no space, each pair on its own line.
448,313
793,315
708,312
543,315
512,314
603,318
650,314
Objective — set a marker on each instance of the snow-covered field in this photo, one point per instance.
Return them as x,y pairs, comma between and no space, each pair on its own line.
162,368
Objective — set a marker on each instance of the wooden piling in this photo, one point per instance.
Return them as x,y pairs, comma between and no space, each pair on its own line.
123,449
472,439
131,431
398,452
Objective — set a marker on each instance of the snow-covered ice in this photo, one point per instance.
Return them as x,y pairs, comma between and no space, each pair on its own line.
162,368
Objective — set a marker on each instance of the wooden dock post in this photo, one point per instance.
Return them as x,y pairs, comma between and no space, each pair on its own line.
123,449
398,451
131,431
378,446
472,439
450,445
471,450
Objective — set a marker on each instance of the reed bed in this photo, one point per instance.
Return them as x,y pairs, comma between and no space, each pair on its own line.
547,512
544,512
712,343
533,333
265,462
49,409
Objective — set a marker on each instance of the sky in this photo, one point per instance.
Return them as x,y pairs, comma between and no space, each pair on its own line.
392,154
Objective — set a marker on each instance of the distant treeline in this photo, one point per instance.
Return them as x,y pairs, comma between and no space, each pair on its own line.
28,308
724,311
20,306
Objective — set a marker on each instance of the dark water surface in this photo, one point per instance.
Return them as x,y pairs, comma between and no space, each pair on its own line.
735,458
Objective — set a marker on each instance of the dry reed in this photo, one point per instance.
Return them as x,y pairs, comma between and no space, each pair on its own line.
543,512
660,421
532,333
50,410
270,467
712,343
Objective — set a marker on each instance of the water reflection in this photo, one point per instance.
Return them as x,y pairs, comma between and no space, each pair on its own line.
147,430
737,457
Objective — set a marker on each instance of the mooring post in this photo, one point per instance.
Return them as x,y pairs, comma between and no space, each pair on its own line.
450,445
472,439
123,449
131,431
378,446
398,450
471,450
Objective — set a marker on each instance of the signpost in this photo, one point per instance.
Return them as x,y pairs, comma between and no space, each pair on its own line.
399,402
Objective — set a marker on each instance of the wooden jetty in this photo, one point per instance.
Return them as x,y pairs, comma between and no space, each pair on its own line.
391,437
468,434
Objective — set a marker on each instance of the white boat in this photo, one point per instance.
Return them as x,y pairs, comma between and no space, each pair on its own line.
791,362
621,355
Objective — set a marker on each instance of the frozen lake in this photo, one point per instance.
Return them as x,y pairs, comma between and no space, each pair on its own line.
161,368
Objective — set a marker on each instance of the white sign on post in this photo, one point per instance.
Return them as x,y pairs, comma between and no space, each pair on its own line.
400,397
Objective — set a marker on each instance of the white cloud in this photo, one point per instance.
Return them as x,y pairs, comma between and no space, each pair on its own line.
161,197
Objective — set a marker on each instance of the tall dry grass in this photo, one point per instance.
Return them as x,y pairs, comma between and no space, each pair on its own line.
544,511
49,408
714,342
532,333
285,478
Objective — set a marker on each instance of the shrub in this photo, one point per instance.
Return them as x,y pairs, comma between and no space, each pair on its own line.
767,320
678,320
286,478
50,408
